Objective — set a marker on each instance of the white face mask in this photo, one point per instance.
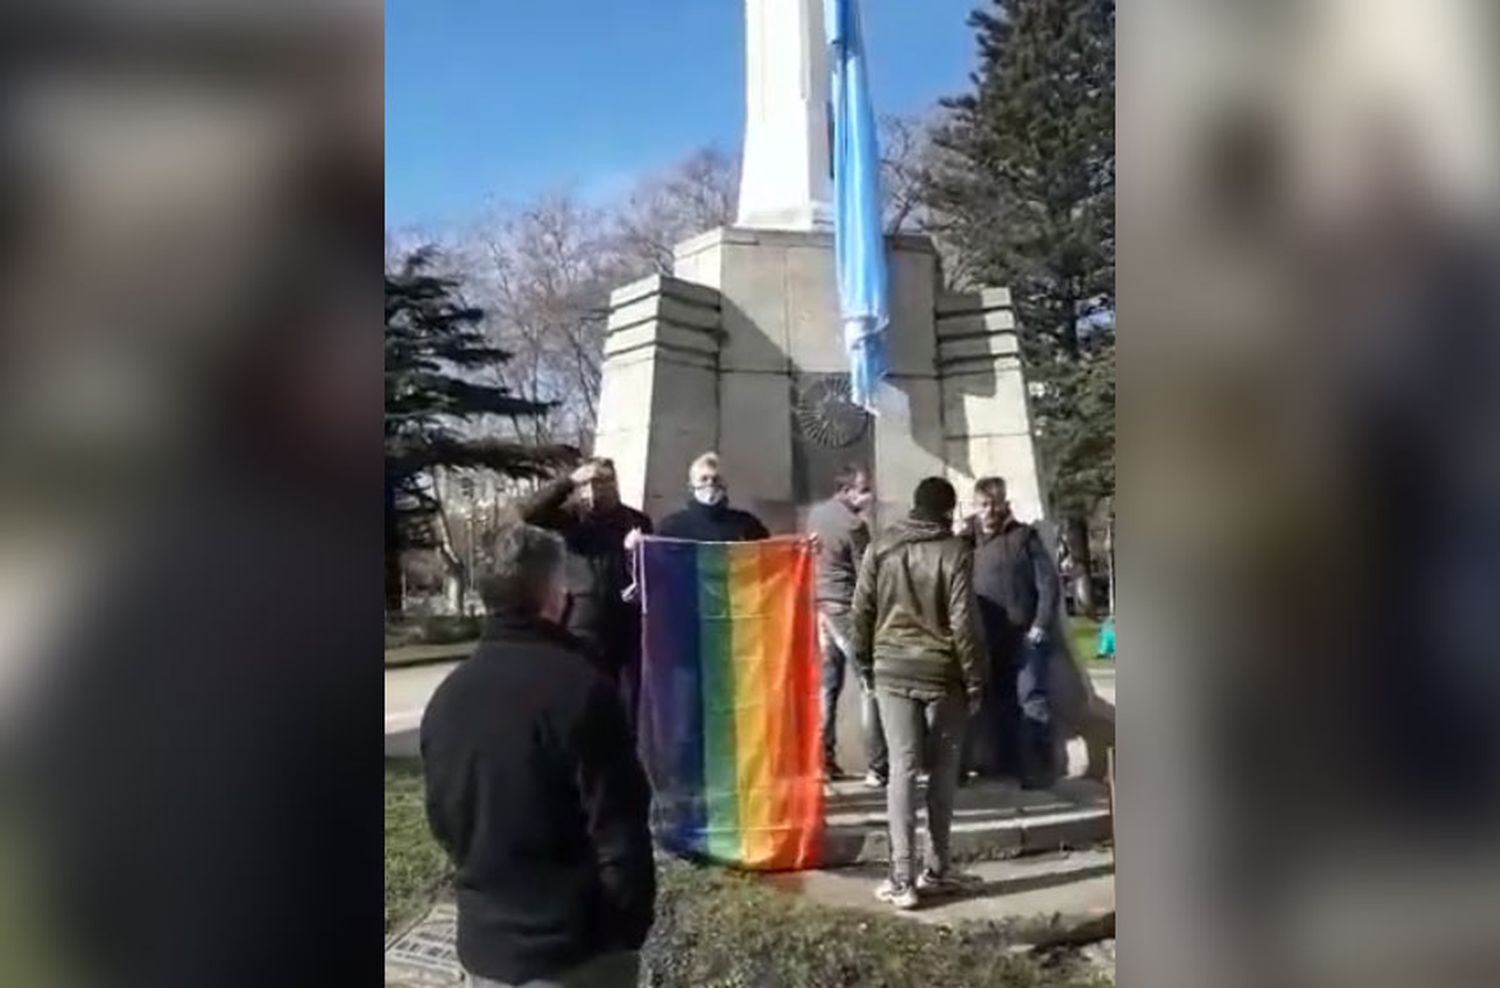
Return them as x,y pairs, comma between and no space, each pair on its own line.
708,495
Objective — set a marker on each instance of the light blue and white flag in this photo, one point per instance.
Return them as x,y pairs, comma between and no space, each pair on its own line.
858,231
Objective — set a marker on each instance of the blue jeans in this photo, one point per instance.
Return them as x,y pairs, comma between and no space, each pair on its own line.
833,636
1033,695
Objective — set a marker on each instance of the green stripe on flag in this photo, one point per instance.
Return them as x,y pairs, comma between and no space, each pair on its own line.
720,784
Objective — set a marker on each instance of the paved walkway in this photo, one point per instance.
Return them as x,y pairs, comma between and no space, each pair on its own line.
1103,675
408,688
1073,885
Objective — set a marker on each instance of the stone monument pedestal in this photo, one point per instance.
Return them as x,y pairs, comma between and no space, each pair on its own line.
741,352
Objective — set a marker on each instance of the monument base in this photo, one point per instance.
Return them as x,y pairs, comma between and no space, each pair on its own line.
741,352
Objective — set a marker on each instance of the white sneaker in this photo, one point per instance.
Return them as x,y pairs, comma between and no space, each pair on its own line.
901,896
946,883
874,780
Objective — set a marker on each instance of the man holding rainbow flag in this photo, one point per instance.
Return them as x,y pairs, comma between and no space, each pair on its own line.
731,726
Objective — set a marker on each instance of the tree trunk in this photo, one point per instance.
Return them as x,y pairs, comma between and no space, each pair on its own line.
456,582
395,596
1083,564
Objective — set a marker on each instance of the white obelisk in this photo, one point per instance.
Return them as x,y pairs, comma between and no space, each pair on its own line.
784,179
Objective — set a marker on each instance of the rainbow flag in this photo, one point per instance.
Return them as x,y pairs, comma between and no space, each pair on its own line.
730,729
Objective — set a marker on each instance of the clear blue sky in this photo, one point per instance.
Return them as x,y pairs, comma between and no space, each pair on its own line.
499,100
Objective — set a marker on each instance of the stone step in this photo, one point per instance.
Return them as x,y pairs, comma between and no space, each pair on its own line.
991,820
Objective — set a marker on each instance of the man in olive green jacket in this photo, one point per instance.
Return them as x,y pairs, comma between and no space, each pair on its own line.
915,641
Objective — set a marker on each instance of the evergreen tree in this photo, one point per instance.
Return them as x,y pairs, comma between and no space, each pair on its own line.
1025,191
434,351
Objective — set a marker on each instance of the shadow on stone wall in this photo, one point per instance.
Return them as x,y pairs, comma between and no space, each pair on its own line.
983,384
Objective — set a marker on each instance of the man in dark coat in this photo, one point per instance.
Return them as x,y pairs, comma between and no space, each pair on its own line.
585,510
708,517
1016,587
534,790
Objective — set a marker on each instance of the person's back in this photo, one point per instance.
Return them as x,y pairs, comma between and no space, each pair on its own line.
913,611
534,790
914,641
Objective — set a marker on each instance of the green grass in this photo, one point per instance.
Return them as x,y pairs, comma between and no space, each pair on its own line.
1083,635
31,951
416,869
719,929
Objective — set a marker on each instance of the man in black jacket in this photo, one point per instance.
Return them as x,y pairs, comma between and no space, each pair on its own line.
534,790
1016,588
585,510
708,517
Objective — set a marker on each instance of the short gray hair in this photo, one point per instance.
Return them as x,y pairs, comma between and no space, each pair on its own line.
708,461
527,560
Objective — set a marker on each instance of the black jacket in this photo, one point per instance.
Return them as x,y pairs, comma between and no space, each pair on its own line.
534,790
719,523
598,570
1014,580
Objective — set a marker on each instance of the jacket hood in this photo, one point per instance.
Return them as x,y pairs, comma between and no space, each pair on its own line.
912,529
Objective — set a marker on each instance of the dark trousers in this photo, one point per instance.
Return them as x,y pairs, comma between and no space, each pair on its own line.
1013,735
833,636
1035,725
630,691
622,667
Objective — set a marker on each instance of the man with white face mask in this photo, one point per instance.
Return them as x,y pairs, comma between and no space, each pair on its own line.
708,516
842,534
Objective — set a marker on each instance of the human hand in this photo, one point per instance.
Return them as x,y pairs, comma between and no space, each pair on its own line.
630,593
976,700
1035,635
583,474
632,539
816,541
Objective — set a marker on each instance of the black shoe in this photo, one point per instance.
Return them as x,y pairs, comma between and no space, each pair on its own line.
832,772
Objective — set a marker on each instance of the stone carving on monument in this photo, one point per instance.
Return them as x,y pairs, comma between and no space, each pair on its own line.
741,350
829,431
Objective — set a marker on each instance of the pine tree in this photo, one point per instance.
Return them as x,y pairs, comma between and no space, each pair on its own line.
1025,191
434,350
